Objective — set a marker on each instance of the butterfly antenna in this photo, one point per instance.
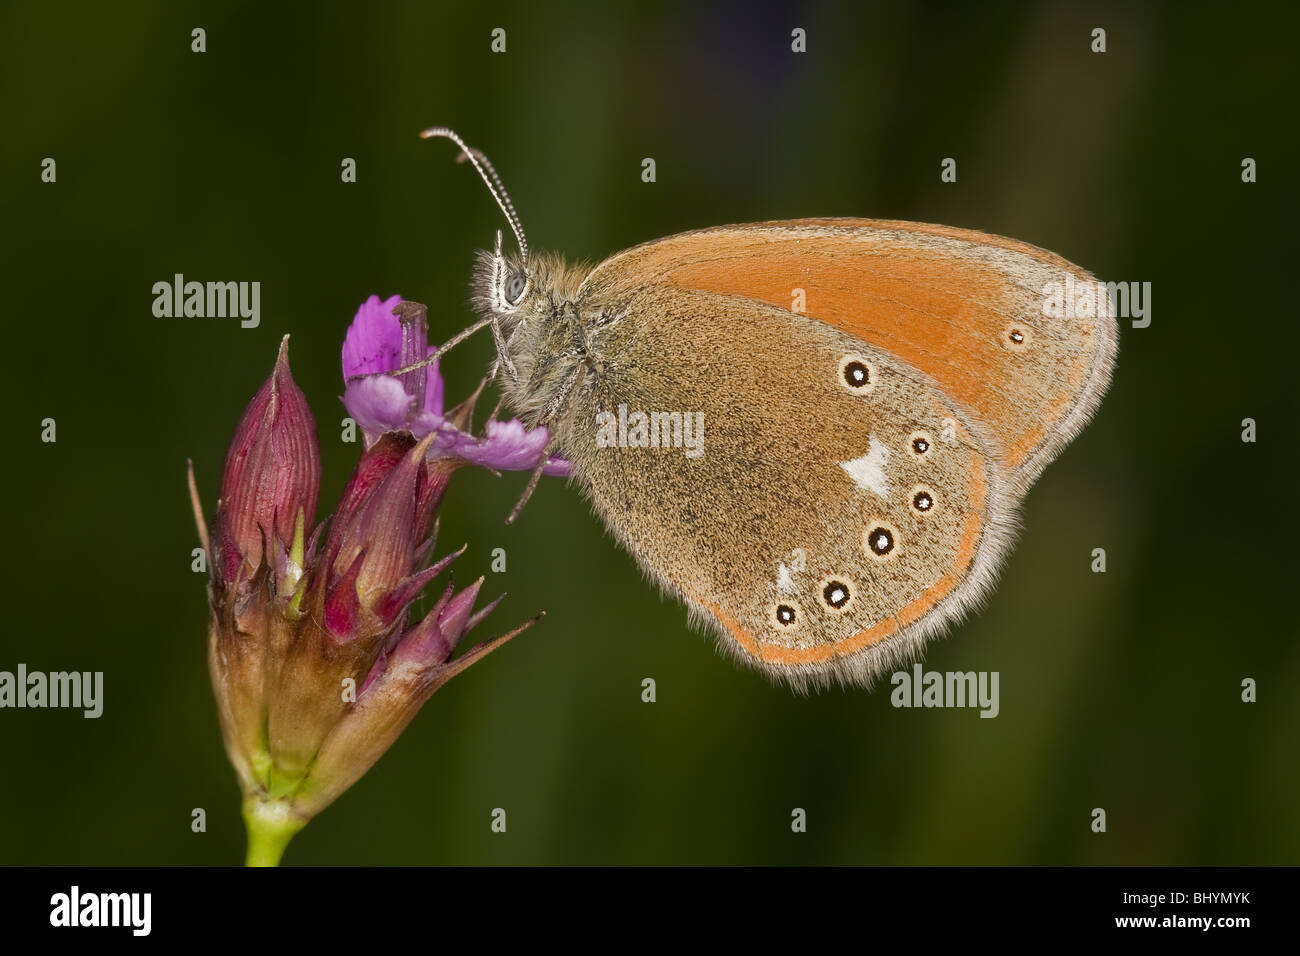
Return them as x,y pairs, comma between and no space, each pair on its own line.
490,179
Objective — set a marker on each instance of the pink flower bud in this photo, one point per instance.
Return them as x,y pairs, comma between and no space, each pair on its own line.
315,662
376,538
272,473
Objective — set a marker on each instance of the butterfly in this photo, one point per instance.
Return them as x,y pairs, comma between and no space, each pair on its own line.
816,433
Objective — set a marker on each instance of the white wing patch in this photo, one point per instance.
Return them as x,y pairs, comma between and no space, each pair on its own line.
868,471
784,582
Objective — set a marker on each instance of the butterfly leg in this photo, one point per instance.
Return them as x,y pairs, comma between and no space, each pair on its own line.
561,401
533,479
551,415
503,356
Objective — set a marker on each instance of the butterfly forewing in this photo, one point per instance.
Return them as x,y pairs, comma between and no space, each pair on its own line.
1018,336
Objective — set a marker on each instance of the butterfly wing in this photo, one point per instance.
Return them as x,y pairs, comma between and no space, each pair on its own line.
969,309
853,488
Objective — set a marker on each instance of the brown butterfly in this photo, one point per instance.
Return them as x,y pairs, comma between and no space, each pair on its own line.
817,432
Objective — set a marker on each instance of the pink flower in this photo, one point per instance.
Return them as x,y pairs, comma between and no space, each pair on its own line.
315,662
392,334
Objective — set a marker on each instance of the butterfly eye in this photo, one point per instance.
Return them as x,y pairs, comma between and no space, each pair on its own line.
515,286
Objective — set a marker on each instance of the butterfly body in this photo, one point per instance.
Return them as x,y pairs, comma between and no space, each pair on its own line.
815,433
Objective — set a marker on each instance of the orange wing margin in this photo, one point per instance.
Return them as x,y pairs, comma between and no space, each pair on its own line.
948,585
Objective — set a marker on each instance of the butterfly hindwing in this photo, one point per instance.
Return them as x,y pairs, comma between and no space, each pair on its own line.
838,507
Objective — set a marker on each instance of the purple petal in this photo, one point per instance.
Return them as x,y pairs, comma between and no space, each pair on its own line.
425,423
507,446
433,388
374,339
378,405
375,344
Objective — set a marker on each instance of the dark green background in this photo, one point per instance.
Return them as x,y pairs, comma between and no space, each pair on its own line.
1119,690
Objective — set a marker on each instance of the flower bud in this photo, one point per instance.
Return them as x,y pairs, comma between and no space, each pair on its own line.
393,694
378,544
315,663
272,475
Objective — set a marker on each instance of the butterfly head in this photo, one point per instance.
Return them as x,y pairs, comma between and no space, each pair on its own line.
503,286
527,301
530,305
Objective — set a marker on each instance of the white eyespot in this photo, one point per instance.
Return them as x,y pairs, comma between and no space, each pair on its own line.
919,443
1016,337
880,540
921,500
786,615
857,374
836,593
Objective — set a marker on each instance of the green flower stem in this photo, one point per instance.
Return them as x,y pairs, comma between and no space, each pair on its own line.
271,824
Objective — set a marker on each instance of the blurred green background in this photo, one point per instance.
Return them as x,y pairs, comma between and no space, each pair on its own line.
1118,690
